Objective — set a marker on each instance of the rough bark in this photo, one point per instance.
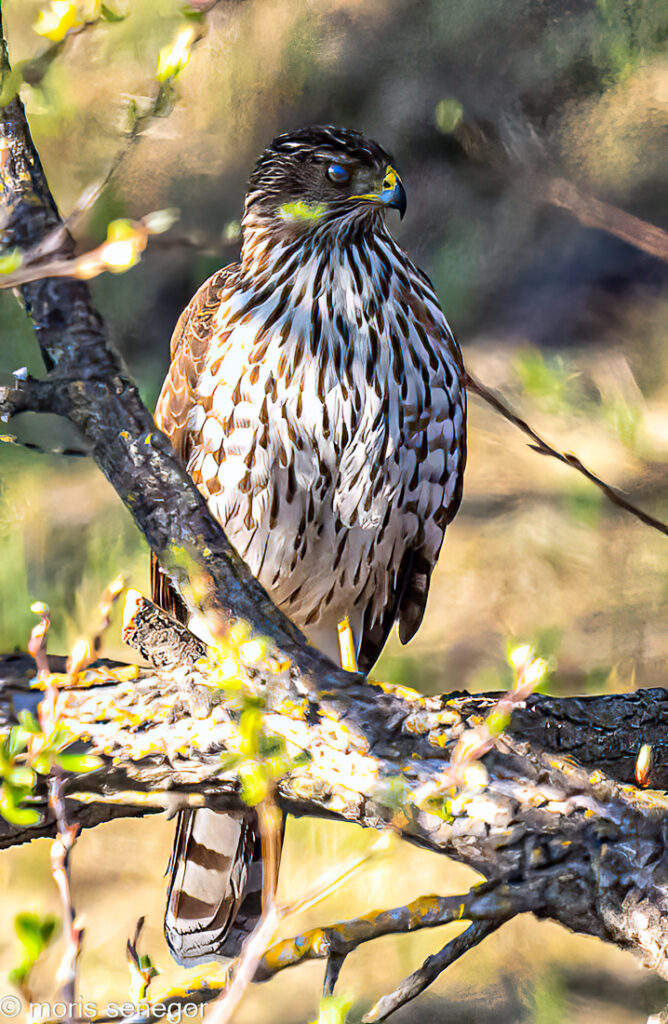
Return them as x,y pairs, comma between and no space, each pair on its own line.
565,841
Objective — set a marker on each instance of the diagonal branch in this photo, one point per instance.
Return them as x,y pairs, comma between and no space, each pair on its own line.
568,458
434,965
566,842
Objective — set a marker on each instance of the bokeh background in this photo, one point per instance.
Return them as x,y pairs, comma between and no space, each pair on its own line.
481,103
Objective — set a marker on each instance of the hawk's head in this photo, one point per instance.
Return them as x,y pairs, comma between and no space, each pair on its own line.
322,175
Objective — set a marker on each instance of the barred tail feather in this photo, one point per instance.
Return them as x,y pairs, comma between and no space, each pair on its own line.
215,889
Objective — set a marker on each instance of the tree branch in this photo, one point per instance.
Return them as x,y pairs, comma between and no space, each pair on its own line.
93,392
594,213
434,965
568,458
579,847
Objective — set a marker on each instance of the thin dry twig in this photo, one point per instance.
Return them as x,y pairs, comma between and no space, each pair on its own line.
486,144
434,965
568,458
114,254
85,651
254,949
61,849
465,769
62,845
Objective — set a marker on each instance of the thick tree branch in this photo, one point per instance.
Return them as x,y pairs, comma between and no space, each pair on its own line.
579,847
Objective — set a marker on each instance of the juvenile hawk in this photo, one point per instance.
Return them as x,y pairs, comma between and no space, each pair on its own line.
316,396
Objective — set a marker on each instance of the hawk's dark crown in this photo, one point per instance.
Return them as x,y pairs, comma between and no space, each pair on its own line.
318,169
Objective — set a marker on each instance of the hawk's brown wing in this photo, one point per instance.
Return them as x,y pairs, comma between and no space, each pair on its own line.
214,896
408,599
189,346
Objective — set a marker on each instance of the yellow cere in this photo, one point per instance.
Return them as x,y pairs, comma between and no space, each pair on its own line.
301,211
391,177
390,181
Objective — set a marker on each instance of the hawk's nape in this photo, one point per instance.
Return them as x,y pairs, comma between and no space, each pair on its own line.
316,397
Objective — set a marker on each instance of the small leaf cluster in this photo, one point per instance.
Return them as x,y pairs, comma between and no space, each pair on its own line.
34,933
27,752
261,758
142,968
333,1010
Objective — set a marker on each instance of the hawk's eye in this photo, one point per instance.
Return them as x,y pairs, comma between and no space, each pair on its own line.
338,174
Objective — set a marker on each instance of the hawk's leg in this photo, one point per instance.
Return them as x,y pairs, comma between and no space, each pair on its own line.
347,646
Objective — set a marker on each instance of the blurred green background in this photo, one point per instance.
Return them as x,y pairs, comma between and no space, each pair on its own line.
569,322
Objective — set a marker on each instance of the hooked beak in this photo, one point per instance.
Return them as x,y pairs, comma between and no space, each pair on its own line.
391,193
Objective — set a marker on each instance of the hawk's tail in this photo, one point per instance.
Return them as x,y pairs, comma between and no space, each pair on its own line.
215,888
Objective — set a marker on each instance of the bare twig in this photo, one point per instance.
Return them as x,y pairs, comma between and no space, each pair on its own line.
61,849
114,254
37,645
160,106
246,967
465,768
568,458
487,902
434,965
85,650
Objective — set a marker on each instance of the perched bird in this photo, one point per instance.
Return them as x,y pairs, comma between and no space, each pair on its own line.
316,397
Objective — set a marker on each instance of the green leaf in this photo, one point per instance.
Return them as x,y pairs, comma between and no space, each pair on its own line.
11,83
42,764
10,259
302,758
34,932
448,114
22,776
254,784
79,762
228,762
271,745
14,814
250,727
333,1010
192,14
28,722
15,743
497,722
18,975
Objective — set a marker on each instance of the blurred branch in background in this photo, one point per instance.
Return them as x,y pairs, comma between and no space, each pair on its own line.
522,153
595,214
